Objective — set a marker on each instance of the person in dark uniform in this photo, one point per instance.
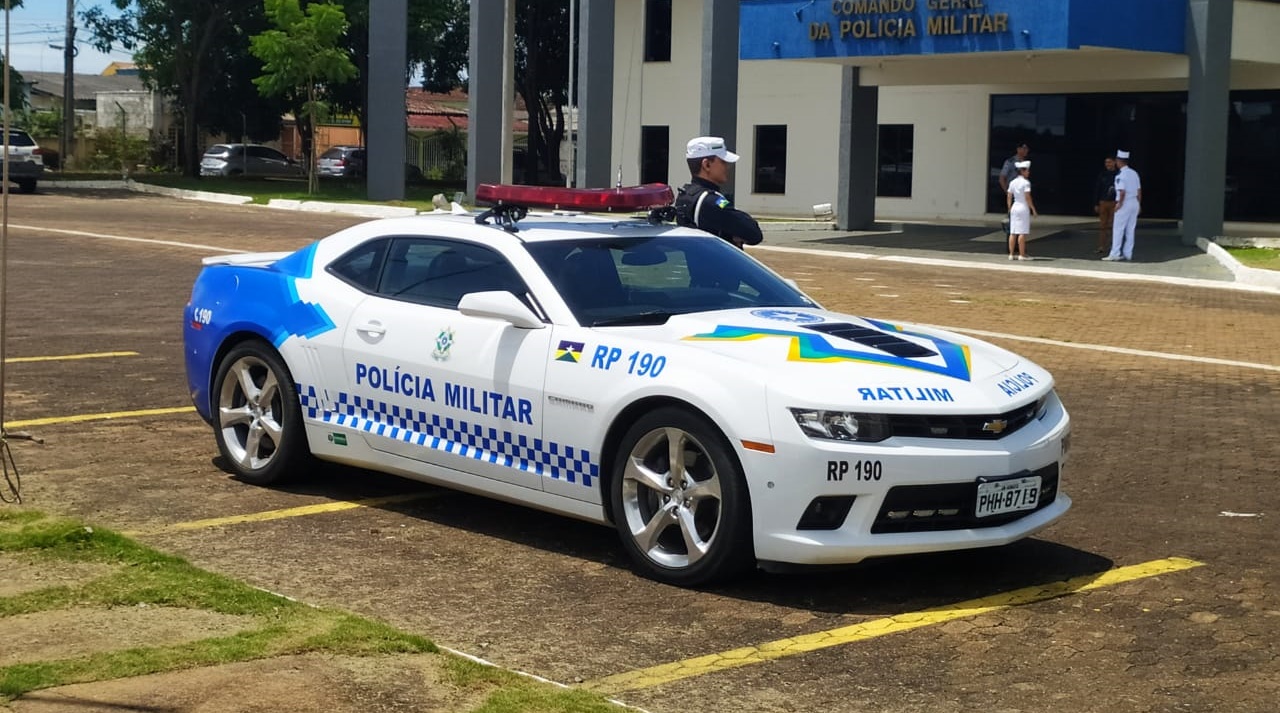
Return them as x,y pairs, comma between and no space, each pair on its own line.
700,204
1104,203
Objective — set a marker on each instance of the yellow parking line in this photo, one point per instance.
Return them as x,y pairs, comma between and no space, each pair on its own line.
66,357
81,418
747,655
282,514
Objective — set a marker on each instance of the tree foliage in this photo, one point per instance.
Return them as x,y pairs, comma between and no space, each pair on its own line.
301,57
197,52
185,49
542,79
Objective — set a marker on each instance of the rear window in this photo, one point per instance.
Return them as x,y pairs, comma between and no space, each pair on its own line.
219,150
20,138
332,153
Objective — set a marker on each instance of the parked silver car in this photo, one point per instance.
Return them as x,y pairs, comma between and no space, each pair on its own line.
26,163
341,162
247,160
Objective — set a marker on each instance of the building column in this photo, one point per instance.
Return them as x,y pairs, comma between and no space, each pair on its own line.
719,98
1208,106
490,95
385,134
859,135
595,94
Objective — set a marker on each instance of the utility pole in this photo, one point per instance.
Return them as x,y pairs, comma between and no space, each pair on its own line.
68,88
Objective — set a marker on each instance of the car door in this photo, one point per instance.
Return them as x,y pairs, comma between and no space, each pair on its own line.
264,161
431,384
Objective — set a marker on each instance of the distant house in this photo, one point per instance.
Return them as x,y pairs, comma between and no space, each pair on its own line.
117,100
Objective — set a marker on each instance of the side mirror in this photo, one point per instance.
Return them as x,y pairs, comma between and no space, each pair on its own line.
502,305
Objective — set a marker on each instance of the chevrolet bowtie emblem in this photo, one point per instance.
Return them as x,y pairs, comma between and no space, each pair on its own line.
997,426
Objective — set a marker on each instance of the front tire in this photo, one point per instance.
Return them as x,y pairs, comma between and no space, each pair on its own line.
257,419
680,502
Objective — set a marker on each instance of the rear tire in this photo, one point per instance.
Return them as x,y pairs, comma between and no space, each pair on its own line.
27,185
680,502
257,419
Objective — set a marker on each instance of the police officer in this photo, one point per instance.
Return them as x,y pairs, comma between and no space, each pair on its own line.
700,204
1128,206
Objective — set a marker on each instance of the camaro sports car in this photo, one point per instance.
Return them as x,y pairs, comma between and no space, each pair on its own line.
622,370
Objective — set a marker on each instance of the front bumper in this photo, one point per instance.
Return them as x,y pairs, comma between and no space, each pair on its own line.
904,495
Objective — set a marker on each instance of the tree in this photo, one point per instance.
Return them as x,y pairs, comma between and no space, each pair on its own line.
542,68
301,57
184,49
437,42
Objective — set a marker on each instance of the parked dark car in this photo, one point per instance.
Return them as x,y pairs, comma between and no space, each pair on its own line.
341,162
247,160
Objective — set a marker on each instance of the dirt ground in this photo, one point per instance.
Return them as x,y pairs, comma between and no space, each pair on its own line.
1174,393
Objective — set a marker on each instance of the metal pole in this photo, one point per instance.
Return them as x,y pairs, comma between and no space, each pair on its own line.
4,230
68,87
573,124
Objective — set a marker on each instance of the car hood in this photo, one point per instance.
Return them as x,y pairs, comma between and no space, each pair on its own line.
809,353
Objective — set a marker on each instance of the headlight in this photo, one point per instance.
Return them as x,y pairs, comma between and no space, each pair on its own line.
1042,406
842,425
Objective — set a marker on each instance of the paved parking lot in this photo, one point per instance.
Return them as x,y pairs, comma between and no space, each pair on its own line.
1174,393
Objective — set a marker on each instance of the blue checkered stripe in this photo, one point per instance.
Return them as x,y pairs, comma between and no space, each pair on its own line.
429,430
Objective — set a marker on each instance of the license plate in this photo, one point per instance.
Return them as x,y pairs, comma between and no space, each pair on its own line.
1012,495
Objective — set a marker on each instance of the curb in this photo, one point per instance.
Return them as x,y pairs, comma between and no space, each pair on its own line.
1247,276
365,210
1244,274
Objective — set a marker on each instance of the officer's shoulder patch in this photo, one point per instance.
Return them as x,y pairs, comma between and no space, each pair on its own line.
722,202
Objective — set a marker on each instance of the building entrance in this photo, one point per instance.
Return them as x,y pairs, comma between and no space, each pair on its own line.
1070,134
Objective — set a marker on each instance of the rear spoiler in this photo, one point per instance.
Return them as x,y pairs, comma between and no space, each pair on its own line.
259,259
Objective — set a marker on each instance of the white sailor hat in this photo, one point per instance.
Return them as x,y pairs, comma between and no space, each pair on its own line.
1021,164
1122,155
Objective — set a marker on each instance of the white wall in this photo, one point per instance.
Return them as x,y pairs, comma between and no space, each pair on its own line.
950,171
138,112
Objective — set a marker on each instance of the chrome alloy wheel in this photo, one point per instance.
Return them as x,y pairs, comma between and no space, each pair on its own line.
251,413
671,497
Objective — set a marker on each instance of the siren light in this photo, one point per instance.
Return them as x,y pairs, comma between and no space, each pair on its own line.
631,198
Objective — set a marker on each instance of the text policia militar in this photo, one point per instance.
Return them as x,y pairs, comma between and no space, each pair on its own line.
875,19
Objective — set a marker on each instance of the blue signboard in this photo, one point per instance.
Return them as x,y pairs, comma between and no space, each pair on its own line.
812,29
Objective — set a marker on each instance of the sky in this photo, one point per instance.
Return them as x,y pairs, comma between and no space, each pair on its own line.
40,23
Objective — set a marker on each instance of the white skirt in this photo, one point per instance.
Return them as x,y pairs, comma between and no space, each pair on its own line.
1019,219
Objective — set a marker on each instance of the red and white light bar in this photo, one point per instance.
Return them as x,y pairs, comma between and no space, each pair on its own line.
631,198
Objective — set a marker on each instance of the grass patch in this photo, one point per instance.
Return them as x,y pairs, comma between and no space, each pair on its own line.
1265,258
512,693
142,577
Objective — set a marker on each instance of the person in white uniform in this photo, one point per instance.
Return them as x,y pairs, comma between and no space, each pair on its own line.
1128,206
1021,207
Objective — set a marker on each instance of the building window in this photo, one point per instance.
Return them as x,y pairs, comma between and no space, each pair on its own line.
771,159
896,143
657,30
655,154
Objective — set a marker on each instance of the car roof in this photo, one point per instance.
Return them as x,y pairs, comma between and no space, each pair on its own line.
535,228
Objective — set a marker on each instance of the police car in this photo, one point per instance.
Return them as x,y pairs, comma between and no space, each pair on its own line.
622,370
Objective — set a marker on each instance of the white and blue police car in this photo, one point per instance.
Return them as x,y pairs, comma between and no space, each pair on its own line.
622,370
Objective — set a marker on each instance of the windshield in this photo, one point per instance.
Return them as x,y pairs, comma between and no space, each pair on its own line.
616,281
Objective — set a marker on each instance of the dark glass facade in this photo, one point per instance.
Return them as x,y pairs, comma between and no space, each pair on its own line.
1070,134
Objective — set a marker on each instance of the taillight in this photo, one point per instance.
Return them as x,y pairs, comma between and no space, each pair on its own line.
342,162
37,151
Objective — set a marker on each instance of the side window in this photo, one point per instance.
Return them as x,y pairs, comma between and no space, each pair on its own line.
655,147
657,30
770,159
360,267
439,272
896,158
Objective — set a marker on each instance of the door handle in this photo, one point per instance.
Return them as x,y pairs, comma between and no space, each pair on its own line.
372,328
